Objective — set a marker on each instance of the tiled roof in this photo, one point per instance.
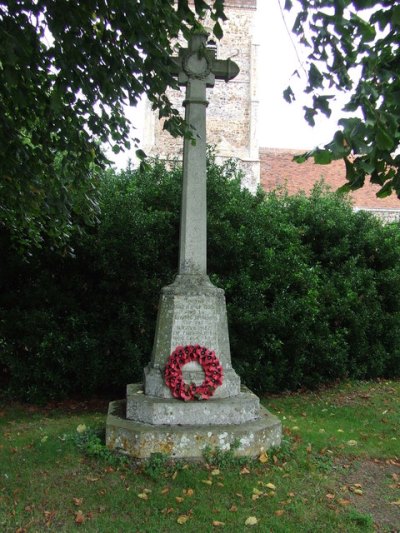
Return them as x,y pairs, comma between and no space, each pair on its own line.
278,169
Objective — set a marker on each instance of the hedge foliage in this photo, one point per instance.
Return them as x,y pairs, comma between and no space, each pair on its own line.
312,289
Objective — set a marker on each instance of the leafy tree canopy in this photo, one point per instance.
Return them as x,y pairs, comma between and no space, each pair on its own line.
354,47
67,68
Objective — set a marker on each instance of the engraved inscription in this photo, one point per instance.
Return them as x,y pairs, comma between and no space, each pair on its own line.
195,322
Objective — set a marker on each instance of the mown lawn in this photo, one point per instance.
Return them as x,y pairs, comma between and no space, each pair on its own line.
338,470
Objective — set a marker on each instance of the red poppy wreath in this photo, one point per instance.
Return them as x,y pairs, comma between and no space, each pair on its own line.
212,369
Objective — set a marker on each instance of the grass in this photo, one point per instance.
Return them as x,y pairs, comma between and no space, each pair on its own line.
53,478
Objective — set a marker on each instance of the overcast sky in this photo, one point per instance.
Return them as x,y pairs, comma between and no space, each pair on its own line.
281,125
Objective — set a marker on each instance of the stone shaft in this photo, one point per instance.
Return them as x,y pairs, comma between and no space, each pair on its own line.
193,236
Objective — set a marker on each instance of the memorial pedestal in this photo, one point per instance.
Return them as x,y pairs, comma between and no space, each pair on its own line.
150,420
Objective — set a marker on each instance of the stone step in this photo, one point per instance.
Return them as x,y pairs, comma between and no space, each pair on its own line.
190,441
237,409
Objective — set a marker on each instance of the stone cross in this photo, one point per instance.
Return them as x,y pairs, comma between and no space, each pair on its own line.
192,311
196,68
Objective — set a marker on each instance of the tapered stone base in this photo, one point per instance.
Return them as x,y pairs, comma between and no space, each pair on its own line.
140,440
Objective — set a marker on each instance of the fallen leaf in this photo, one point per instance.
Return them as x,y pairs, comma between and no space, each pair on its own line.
263,458
251,521
245,470
79,517
255,497
352,443
344,502
279,512
175,474
395,503
165,490
239,494
179,499
270,486
330,496
168,510
147,491
257,492
77,501
233,509
182,519
206,481
358,491
220,484
216,523
188,492
143,496
81,428
215,472
92,479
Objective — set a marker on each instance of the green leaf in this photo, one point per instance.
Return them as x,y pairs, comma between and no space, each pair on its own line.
217,30
309,115
288,95
315,77
200,6
322,157
386,190
322,103
140,154
383,140
396,16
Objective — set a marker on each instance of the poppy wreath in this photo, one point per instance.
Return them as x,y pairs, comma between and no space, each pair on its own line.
212,369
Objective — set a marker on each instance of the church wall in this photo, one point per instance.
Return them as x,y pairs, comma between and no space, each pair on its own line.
233,106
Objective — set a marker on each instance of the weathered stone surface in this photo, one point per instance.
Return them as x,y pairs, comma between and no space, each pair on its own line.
141,440
191,311
233,112
151,410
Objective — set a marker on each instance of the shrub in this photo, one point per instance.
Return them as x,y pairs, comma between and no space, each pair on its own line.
312,289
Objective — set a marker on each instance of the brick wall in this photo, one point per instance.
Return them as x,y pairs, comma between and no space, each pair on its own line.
279,170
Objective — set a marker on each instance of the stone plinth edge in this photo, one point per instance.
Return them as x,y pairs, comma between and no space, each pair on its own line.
188,442
215,411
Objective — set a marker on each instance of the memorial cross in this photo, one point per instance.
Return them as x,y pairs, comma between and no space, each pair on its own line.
196,68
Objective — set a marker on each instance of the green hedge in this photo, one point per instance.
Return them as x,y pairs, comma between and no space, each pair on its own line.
312,288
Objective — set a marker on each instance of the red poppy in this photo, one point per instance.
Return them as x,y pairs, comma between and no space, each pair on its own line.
212,369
